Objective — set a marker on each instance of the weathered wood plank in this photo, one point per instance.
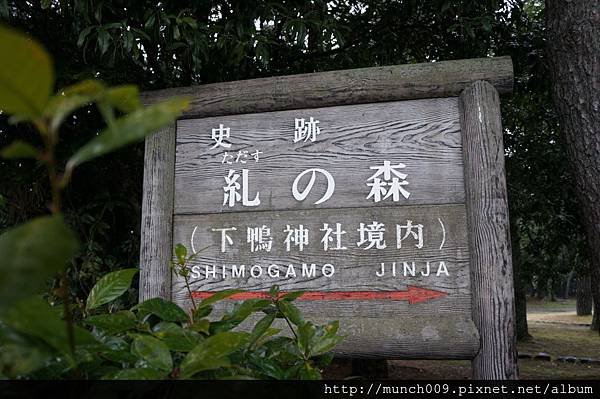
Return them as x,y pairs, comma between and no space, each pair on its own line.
355,268
157,215
489,233
353,86
399,337
422,134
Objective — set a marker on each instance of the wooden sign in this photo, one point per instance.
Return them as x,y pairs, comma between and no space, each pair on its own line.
379,192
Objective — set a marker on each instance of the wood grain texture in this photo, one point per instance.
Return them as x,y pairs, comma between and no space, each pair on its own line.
353,86
355,267
157,215
422,134
399,337
489,233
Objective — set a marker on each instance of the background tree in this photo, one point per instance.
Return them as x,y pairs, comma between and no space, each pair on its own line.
158,44
573,47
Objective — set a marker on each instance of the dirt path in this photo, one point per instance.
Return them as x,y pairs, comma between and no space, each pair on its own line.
560,317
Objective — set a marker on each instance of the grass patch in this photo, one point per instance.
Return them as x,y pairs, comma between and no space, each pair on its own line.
546,305
559,340
538,370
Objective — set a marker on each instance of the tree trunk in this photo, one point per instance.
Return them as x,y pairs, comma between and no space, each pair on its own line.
569,286
584,295
540,288
520,294
573,29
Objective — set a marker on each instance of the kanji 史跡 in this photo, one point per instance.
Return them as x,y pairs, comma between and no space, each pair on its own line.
220,134
306,130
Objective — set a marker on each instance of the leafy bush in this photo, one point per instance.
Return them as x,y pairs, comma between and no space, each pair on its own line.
157,339
41,337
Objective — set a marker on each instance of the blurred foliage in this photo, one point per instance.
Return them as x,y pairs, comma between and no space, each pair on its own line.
47,336
157,44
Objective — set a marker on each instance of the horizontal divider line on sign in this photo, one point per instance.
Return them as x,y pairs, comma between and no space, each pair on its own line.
413,295
349,208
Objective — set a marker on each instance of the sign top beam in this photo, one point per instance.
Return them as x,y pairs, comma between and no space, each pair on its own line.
353,86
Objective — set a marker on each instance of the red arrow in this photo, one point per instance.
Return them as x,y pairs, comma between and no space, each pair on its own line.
412,295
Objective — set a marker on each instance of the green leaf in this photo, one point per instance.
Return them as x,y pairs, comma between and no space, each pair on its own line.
265,337
291,312
71,98
298,31
324,339
324,344
269,367
119,356
18,360
125,98
261,327
165,310
26,75
192,23
217,296
129,129
202,312
19,149
31,254
103,40
153,352
305,334
274,291
324,360
128,40
202,325
117,349
110,287
36,318
136,374
308,372
82,36
176,338
291,296
212,353
240,312
113,323
150,21
181,253
262,52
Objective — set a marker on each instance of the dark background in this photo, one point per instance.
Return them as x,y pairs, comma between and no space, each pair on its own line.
178,43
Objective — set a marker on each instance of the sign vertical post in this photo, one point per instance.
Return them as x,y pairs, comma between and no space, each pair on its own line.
157,215
493,307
